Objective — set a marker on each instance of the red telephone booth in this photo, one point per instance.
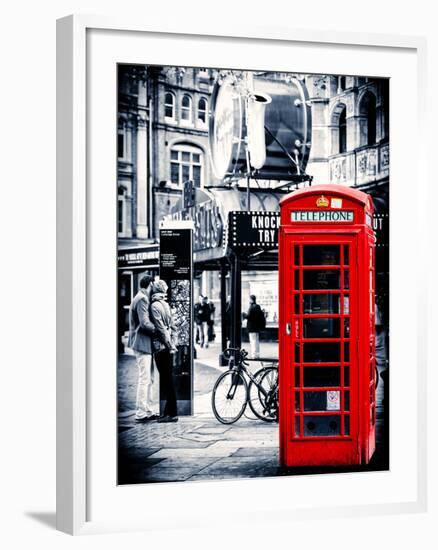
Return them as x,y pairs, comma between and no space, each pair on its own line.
326,327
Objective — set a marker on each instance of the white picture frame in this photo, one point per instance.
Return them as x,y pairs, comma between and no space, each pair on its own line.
78,40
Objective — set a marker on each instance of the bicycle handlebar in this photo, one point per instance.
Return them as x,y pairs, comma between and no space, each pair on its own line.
242,351
238,354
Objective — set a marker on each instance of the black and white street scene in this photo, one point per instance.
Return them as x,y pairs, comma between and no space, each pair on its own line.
237,357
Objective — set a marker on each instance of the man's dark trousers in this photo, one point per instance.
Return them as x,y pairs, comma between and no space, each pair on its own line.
163,360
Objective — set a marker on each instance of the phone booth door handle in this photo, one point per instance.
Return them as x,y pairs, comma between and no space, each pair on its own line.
288,329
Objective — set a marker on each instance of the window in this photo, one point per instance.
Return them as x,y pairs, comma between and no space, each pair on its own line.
121,216
122,212
371,122
121,144
169,106
343,131
367,111
186,163
124,144
202,110
186,108
342,83
125,289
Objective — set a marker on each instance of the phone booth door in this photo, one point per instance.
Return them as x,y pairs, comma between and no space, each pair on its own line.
320,311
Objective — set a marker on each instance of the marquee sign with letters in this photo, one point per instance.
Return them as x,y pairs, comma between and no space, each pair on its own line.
253,229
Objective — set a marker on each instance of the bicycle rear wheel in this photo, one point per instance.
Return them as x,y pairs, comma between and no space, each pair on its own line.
263,396
229,397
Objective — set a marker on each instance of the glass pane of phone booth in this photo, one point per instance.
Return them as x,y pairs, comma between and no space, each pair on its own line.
321,302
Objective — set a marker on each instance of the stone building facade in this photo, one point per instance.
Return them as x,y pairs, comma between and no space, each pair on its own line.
162,142
132,153
350,134
180,102
350,146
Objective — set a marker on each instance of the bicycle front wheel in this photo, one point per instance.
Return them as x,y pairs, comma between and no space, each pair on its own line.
263,395
229,397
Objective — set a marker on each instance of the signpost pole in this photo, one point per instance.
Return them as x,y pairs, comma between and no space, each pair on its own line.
224,308
248,193
236,301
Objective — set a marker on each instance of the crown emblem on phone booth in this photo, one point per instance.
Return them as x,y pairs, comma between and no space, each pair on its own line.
322,201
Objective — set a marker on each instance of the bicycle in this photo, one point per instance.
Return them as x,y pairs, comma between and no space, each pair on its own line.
232,393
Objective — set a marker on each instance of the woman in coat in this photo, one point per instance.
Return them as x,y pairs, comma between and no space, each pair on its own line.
164,346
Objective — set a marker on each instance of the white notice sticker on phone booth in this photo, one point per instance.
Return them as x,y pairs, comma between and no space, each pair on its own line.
333,400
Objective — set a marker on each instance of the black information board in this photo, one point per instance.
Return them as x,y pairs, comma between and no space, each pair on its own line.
176,268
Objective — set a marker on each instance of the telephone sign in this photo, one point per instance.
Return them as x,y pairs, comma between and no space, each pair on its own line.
322,216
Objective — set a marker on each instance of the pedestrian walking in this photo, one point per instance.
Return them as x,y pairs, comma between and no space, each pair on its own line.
141,331
256,322
164,348
202,318
210,323
198,322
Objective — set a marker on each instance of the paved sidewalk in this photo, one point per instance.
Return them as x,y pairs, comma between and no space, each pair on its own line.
199,447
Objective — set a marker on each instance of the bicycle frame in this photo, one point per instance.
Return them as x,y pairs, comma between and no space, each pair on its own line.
266,395
241,367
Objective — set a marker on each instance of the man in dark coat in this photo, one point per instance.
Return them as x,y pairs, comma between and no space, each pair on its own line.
256,322
141,329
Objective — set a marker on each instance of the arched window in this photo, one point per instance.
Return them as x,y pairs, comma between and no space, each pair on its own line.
186,163
169,105
202,110
343,131
367,112
186,108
